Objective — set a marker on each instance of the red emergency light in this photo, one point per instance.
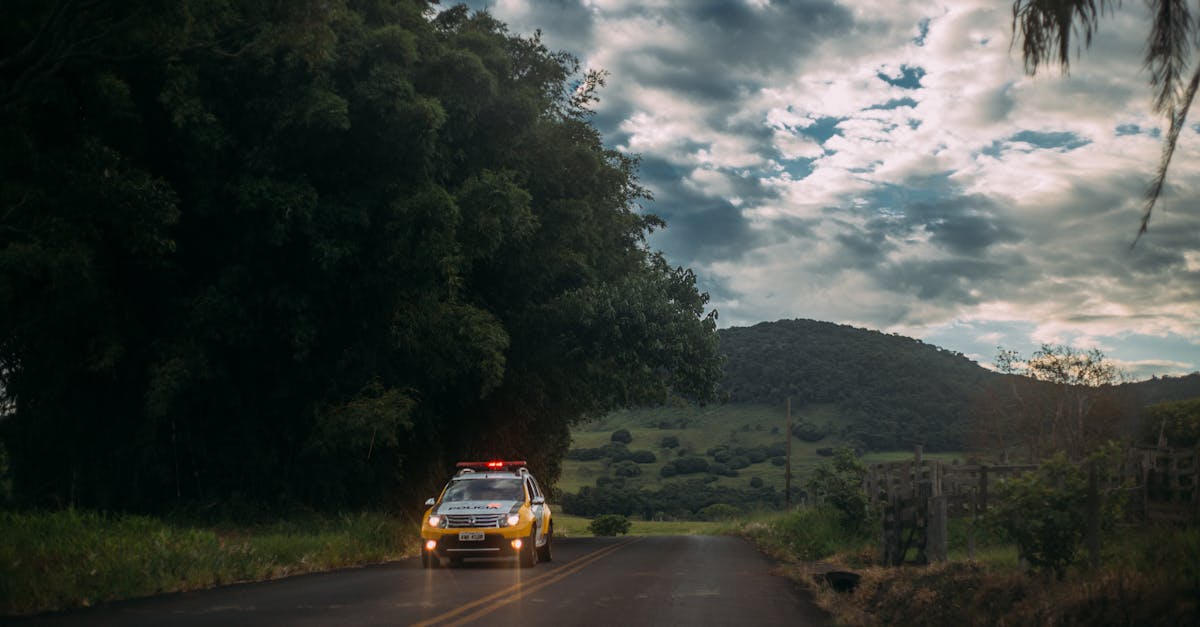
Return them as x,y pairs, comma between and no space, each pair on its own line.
491,465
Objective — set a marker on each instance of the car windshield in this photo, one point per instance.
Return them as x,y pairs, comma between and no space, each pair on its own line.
484,490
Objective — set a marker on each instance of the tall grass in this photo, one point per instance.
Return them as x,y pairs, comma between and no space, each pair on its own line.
71,558
807,534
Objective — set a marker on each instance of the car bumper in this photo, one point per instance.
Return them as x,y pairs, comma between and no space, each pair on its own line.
495,542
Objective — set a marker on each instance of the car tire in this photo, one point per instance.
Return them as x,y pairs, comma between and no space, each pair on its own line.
527,558
544,552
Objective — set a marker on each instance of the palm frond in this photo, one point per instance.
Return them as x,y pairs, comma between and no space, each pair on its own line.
1178,117
1045,28
1167,51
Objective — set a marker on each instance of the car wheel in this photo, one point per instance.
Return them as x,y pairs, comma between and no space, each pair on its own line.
527,558
544,554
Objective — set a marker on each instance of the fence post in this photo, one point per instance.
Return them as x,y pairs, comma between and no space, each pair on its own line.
936,529
1093,515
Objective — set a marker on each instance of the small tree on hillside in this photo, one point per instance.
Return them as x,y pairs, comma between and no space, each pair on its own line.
1060,399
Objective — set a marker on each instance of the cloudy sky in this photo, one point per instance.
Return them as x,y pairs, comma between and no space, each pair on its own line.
889,165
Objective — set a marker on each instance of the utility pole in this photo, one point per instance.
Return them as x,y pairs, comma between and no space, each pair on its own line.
787,467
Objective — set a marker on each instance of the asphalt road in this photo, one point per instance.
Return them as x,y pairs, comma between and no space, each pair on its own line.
656,580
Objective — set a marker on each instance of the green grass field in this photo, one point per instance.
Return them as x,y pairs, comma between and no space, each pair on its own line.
701,428
568,526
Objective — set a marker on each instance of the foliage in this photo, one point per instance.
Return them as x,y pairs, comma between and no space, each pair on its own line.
313,252
1046,513
1060,399
643,457
609,525
891,391
679,499
1045,28
668,441
806,534
622,435
73,558
838,483
1178,422
719,511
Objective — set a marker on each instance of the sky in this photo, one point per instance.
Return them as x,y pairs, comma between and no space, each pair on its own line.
891,166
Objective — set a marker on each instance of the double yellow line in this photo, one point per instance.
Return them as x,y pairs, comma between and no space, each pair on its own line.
516,591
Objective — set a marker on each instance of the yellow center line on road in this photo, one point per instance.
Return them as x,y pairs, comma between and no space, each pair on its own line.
516,591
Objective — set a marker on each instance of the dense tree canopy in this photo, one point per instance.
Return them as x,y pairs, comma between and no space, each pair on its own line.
312,252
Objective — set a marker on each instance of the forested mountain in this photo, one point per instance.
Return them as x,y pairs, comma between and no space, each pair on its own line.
312,252
891,391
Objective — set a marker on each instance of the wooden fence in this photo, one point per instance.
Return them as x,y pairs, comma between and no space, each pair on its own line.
915,498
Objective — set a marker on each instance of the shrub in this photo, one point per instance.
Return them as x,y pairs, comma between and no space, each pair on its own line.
627,469
667,471
756,455
825,451
643,457
609,525
739,462
778,461
808,431
756,482
838,484
622,435
1045,513
668,441
719,511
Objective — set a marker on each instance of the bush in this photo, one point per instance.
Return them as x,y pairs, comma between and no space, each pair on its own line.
719,511
839,485
627,469
825,451
808,431
622,435
739,462
643,457
667,471
668,441
1045,513
585,454
756,482
756,455
609,525
778,461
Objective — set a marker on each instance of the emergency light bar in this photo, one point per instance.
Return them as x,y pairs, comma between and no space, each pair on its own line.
492,465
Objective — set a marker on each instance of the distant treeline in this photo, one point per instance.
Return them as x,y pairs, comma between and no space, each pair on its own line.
312,253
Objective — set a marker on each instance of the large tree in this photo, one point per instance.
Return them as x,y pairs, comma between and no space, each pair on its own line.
1046,28
312,251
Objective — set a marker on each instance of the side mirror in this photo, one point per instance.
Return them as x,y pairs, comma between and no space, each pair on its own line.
429,502
538,500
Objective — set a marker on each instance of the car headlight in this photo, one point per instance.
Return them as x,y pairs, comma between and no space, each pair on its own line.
513,519
436,521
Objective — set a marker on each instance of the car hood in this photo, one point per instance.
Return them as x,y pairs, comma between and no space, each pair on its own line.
476,508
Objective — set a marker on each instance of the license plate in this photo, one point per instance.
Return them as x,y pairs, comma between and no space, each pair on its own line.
470,536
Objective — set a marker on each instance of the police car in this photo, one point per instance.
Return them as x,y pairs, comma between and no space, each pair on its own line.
488,509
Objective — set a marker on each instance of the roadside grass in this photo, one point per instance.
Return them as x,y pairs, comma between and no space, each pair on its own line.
72,558
1149,575
568,526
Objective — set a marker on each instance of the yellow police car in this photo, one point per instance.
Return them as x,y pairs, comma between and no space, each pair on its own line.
488,509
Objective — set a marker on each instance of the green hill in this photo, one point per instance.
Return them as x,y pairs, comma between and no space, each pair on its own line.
889,391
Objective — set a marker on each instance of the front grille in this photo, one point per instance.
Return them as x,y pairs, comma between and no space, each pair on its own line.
460,521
